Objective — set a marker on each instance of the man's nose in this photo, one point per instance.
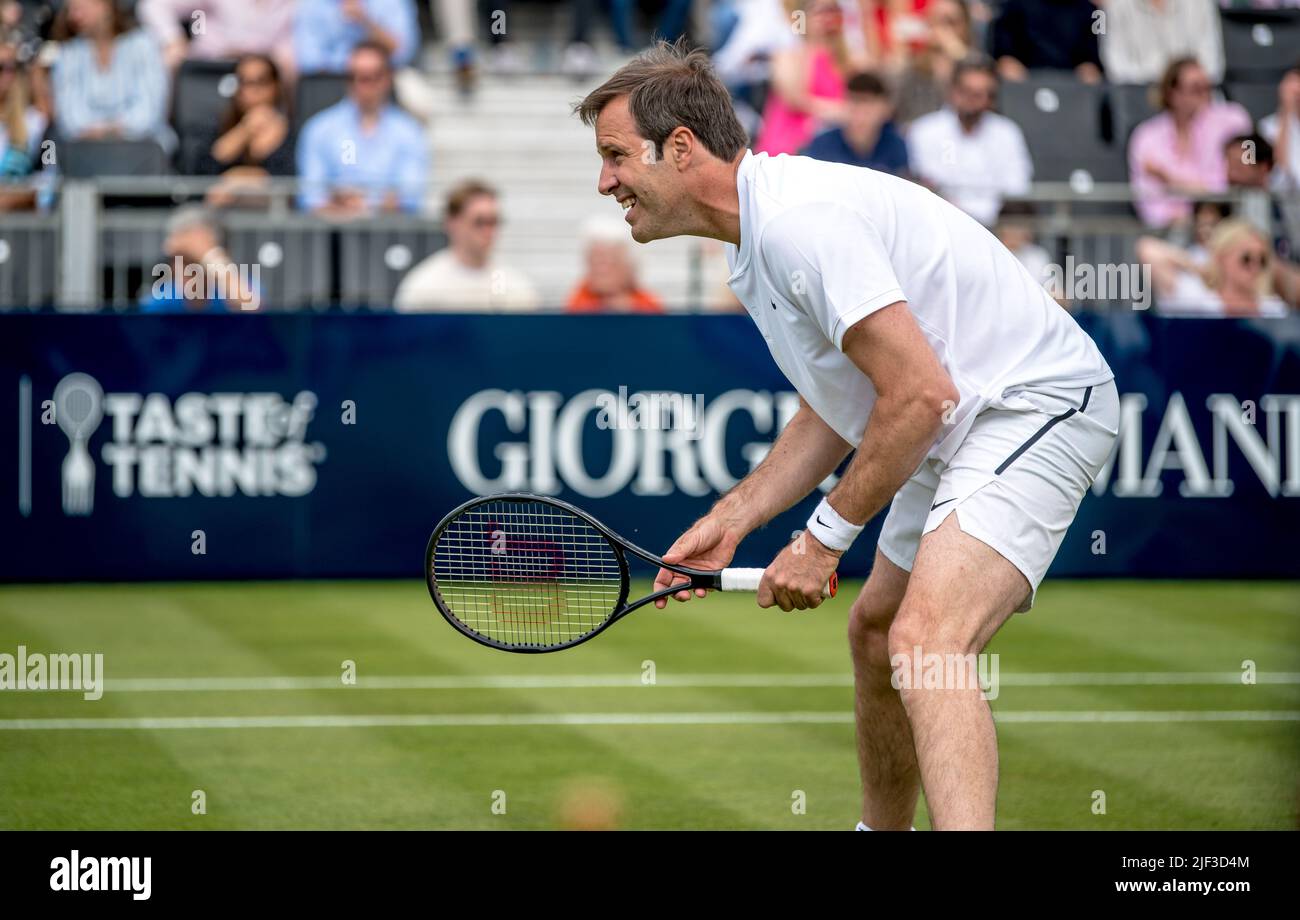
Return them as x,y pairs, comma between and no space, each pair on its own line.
607,182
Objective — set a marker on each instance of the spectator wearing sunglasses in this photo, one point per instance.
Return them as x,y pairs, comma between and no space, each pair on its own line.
363,155
467,275
1177,156
253,135
1237,281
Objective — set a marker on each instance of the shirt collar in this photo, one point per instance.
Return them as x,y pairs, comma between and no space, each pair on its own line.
744,176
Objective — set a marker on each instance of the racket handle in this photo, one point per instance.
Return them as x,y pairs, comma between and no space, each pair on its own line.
748,580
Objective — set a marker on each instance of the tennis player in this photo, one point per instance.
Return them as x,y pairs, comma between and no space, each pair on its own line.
979,411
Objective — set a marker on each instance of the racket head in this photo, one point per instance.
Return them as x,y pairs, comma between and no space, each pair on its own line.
525,573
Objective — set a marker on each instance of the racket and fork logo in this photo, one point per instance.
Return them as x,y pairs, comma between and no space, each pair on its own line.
78,410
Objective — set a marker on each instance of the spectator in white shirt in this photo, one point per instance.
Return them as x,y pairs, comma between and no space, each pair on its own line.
1141,37
1282,129
467,276
967,152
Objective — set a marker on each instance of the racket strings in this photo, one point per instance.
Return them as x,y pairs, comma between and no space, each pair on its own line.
526,573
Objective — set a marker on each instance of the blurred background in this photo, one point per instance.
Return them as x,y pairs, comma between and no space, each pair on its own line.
136,133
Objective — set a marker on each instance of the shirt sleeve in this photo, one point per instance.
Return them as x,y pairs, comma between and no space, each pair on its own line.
831,262
413,170
398,19
1144,185
1208,35
309,39
147,112
313,168
1120,44
162,18
1017,166
72,112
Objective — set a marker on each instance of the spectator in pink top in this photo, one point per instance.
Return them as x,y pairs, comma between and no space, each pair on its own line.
221,29
807,94
1178,154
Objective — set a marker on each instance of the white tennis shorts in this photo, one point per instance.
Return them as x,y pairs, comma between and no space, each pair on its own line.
1016,480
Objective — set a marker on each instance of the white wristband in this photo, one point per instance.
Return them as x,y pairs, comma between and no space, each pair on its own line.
831,530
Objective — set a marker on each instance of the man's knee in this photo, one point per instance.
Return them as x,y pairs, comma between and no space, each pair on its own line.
869,631
871,616
923,625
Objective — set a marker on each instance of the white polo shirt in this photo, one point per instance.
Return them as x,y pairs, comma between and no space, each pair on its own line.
823,245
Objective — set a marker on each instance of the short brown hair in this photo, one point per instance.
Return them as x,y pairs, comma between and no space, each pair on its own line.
669,86
974,63
1169,80
865,83
121,22
463,192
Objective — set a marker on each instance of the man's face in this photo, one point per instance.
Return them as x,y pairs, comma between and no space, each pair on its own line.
865,114
631,172
474,229
1191,91
369,80
190,241
973,95
1241,172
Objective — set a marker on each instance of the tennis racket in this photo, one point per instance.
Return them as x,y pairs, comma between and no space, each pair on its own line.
527,573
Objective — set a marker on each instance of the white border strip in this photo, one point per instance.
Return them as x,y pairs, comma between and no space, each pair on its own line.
584,681
494,720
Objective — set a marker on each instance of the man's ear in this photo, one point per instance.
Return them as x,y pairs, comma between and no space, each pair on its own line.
680,146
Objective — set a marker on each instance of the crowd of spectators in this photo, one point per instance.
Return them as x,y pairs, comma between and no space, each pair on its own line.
935,70
910,87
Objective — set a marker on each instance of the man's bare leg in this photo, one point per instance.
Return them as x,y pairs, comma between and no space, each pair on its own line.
891,781
959,594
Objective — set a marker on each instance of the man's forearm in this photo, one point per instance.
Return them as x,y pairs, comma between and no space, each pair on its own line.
898,436
804,454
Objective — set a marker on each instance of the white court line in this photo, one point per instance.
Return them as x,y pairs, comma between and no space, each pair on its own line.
584,681
494,720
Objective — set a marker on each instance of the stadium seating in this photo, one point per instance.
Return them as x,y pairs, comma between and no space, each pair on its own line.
1062,120
315,92
374,259
202,92
29,256
1259,99
294,257
1128,104
86,159
1258,45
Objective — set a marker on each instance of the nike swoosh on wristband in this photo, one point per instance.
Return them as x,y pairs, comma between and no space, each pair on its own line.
820,521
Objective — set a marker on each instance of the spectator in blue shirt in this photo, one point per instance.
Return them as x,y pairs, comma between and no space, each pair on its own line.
868,136
363,154
198,275
326,31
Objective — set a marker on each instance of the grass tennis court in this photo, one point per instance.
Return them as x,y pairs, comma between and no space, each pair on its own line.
1129,688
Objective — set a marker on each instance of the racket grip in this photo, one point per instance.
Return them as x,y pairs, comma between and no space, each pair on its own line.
749,579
